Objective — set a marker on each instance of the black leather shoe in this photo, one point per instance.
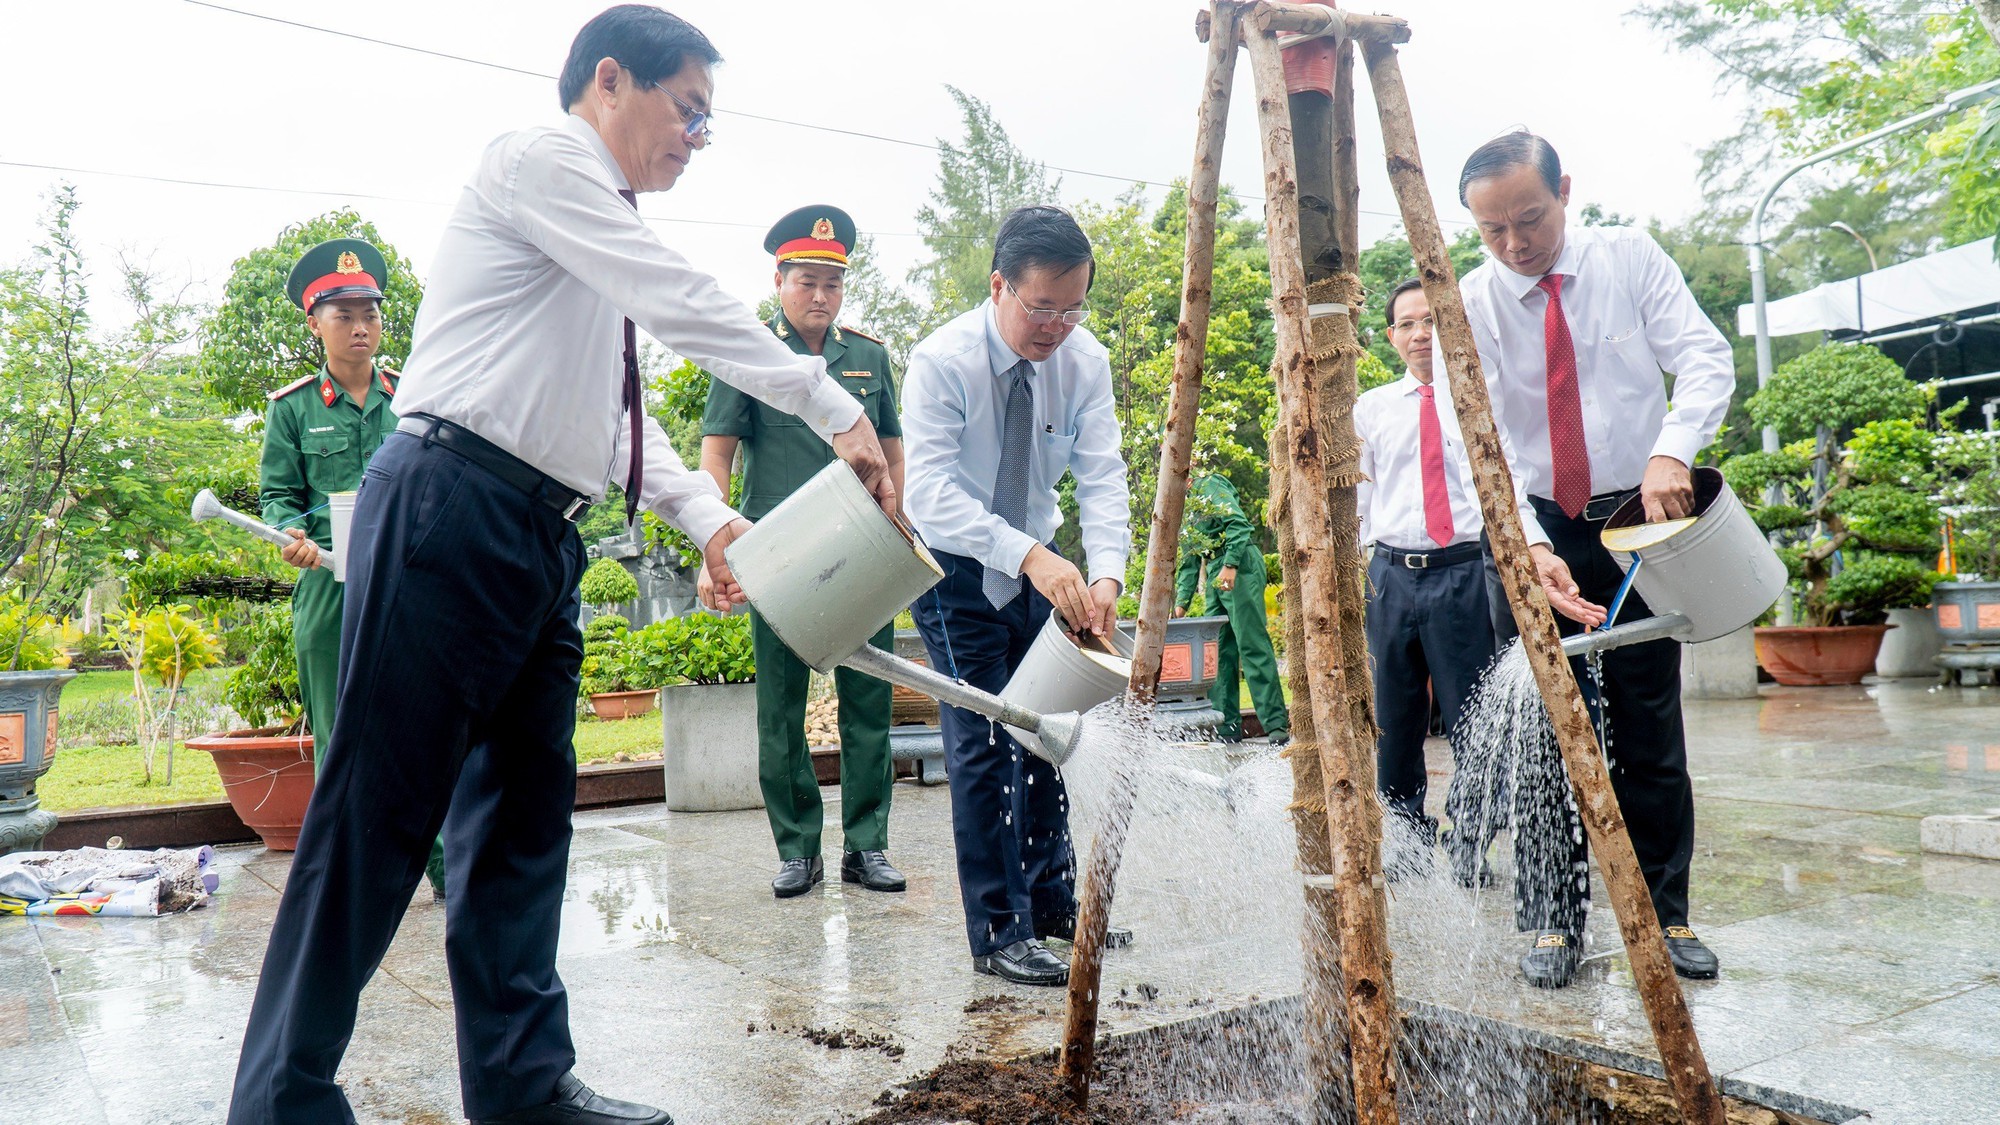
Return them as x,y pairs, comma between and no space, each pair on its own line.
871,870
1024,962
1691,958
575,1104
797,876
1281,738
1553,960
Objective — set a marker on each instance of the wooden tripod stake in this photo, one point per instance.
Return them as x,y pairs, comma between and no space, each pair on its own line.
1673,1028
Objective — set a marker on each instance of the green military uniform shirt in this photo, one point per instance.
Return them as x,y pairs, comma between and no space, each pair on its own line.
780,452
1218,534
316,441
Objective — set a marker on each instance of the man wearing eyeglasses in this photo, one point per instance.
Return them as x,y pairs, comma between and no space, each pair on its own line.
998,405
460,652
1428,629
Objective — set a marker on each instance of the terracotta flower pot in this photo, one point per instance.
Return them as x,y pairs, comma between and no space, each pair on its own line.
609,705
1817,655
269,779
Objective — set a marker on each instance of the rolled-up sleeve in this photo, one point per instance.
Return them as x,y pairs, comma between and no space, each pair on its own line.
1687,343
933,431
1103,498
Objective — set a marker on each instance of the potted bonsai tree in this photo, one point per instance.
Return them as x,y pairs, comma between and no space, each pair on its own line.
703,665
608,680
267,768
1851,491
1967,602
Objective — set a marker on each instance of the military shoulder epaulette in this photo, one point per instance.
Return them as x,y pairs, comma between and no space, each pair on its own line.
288,388
390,371
852,331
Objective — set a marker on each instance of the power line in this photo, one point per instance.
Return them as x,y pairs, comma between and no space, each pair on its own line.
904,141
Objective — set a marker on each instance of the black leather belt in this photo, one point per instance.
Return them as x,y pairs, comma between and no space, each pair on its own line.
1424,560
568,502
1596,510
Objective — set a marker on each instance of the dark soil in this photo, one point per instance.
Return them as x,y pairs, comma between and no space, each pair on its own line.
837,1038
990,1092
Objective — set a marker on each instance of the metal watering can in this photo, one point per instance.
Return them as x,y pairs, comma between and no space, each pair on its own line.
207,507
827,569
1704,576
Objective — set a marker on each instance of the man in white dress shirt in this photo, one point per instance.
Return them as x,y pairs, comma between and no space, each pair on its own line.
1428,628
1576,328
460,649
997,406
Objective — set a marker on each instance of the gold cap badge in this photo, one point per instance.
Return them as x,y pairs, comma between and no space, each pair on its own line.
823,230
348,262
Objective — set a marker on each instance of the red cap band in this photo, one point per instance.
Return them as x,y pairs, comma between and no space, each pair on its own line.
813,249
333,281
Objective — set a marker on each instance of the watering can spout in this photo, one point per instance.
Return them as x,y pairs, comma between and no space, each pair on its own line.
1059,733
1630,633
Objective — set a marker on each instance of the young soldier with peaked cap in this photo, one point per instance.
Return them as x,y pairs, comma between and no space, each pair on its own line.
998,405
1576,328
460,652
1221,541
779,454
318,435
1428,629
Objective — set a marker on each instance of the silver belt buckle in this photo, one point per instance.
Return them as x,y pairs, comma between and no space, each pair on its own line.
577,509
1416,561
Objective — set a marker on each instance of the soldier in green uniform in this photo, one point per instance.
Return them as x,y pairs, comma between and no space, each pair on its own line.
779,454
1221,540
318,435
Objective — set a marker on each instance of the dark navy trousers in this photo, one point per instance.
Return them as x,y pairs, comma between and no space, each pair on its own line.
1009,811
459,660
1428,630
1641,703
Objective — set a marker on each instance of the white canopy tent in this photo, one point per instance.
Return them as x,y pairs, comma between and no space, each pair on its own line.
1936,285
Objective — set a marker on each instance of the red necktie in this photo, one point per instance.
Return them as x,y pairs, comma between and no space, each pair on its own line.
1430,443
635,407
1567,451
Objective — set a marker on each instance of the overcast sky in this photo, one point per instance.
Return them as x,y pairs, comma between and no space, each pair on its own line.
179,90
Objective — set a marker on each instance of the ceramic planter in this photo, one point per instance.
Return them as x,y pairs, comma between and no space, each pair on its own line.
613,705
28,722
269,779
1912,646
1818,655
1967,612
710,755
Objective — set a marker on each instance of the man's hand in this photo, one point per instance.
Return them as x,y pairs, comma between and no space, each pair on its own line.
717,587
300,552
1180,611
1104,607
862,451
1562,589
1061,582
1225,580
1667,490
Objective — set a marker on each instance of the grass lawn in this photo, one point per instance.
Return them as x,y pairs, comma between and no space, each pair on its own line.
100,687
91,776
598,741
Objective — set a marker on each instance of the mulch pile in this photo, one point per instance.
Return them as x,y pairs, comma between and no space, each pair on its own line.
991,1092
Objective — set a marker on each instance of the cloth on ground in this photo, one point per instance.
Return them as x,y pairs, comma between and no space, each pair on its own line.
103,883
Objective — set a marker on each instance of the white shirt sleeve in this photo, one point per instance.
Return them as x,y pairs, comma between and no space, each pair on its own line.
1103,498
1364,489
933,430
686,498
1685,342
572,215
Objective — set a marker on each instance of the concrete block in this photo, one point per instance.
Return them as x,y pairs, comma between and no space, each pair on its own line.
1911,648
711,747
1977,836
1724,668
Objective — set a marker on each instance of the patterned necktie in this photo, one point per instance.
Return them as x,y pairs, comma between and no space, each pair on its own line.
1567,451
1430,443
635,470
1010,484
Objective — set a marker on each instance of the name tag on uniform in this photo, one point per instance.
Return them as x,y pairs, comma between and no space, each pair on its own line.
319,429
856,374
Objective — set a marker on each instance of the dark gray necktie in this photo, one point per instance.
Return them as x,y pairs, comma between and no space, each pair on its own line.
1010,484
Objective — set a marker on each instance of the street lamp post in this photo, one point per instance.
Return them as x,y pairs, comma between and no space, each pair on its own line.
1758,297
1860,306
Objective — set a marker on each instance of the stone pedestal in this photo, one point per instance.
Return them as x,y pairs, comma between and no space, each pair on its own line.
28,722
1724,668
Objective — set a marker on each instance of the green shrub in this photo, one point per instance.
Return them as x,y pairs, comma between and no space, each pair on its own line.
1872,584
608,583
603,627
695,648
29,641
264,689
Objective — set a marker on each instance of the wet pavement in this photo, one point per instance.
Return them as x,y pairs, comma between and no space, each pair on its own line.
1857,970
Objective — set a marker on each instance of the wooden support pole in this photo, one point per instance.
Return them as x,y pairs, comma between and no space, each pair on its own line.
1351,803
1694,1088
1321,19
1169,505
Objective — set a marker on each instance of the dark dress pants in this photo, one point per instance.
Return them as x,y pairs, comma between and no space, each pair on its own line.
459,663
1641,701
1009,811
1428,629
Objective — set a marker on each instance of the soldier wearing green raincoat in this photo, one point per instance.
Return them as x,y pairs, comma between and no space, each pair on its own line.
1220,540
319,433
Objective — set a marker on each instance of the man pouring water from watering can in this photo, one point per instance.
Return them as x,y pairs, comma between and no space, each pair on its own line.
460,652
998,405
1576,327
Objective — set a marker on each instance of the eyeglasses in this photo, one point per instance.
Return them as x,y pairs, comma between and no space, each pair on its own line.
1050,316
696,128
1411,325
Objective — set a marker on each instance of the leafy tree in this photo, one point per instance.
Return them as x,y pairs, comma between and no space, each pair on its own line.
980,179
1389,262
258,340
